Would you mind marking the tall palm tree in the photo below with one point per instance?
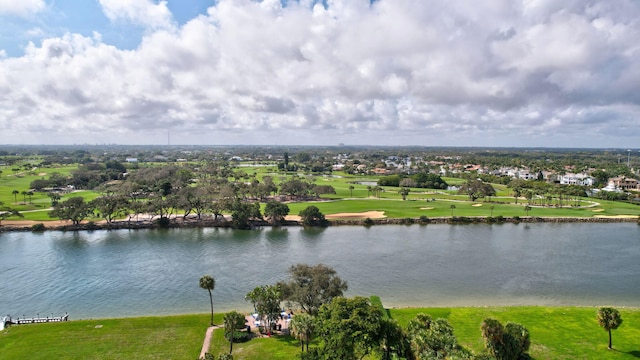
(208, 283)
(15, 194)
(609, 318)
(351, 187)
(491, 207)
(232, 320)
(24, 196)
(452, 207)
(303, 325)
(527, 209)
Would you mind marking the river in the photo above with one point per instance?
(155, 272)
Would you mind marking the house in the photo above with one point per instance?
(576, 179)
(381, 171)
(622, 183)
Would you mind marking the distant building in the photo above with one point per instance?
(131, 160)
(622, 183)
(576, 179)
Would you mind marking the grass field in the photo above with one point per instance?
(173, 337)
(351, 196)
(556, 333)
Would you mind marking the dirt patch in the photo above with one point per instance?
(476, 205)
(42, 174)
(597, 210)
(427, 208)
(362, 215)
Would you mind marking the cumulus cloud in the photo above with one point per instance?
(391, 72)
(146, 13)
(21, 7)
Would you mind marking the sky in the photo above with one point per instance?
(503, 73)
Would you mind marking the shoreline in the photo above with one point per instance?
(61, 225)
(496, 306)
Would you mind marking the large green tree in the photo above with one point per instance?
(74, 209)
(276, 211)
(311, 286)
(311, 216)
(349, 328)
(266, 301)
(609, 318)
(110, 206)
(208, 283)
(476, 189)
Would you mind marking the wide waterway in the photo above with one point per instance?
(153, 272)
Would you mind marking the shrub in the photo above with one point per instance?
(368, 222)
(163, 222)
(39, 227)
(424, 220)
(490, 219)
(516, 218)
(499, 218)
(406, 221)
(238, 336)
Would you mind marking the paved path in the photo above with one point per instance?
(207, 340)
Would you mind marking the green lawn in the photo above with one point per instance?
(350, 197)
(173, 337)
(556, 333)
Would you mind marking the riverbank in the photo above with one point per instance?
(342, 219)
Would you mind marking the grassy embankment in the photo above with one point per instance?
(556, 333)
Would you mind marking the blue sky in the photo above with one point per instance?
(362, 72)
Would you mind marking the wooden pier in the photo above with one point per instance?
(8, 320)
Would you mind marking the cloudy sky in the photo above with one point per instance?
(359, 72)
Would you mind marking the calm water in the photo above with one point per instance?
(130, 273)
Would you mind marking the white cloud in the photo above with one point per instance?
(426, 73)
(21, 7)
(146, 13)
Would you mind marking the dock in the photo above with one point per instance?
(8, 320)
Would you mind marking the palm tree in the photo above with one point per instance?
(351, 187)
(303, 326)
(30, 194)
(491, 208)
(368, 191)
(232, 320)
(452, 207)
(209, 283)
(15, 194)
(527, 209)
(609, 318)
(24, 196)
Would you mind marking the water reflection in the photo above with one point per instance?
(102, 273)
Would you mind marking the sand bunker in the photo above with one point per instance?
(362, 215)
(476, 205)
(597, 210)
(42, 174)
(427, 208)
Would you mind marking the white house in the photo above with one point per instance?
(576, 179)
